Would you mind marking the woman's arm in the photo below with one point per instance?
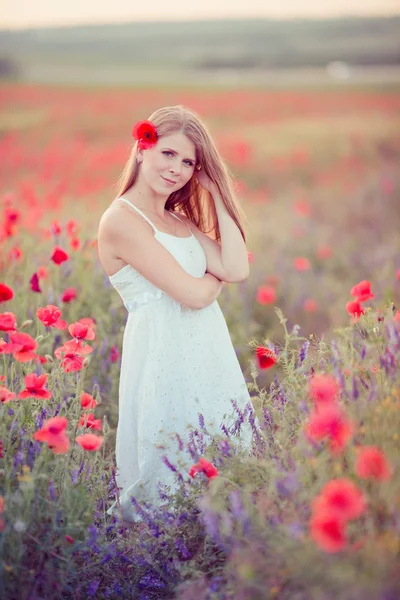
(234, 255)
(133, 241)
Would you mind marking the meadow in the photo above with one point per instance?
(314, 511)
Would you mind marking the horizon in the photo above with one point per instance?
(46, 14)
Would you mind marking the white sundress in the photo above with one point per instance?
(176, 363)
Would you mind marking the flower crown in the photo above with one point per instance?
(146, 134)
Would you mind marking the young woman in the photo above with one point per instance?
(168, 242)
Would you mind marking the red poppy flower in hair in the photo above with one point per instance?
(146, 134)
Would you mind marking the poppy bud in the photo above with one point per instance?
(26, 323)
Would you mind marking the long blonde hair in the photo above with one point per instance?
(191, 200)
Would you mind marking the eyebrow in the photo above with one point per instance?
(175, 152)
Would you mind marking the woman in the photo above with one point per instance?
(178, 363)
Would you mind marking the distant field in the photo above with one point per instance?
(121, 75)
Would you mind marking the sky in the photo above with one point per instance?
(22, 14)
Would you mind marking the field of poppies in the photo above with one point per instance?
(314, 511)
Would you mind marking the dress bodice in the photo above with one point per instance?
(135, 290)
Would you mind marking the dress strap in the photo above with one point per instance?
(140, 212)
(175, 215)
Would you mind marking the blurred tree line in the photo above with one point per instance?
(238, 44)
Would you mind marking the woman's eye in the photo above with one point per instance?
(188, 162)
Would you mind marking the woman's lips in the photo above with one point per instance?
(169, 181)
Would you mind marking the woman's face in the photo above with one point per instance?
(172, 159)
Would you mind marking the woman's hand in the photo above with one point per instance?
(215, 286)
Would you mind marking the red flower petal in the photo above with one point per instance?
(59, 255)
(6, 293)
(265, 357)
(327, 530)
(146, 134)
(371, 463)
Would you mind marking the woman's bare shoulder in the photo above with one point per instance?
(115, 217)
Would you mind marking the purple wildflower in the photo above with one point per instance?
(180, 442)
(52, 490)
(170, 466)
(224, 447)
(201, 421)
(303, 353)
(183, 551)
(93, 587)
(355, 392)
(225, 430)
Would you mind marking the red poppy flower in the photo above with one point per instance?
(324, 252)
(81, 332)
(266, 294)
(35, 387)
(72, 355)
(43, 273)
(53, 434)
(21, 346)
(301, 264)
(327, 530)
(342, 497)
(34, 283)
(55, 228)
(59, 255)
(323, 388)
(15, 253)
(330, 422)
(50, 316)
(114, 354)
(354, 309)
(89, 322)
(310, 305)
(146, 134)
(68, 295)
(302, 207)
(371, 463)
(90, 422)
(87, 401)
(71, 227)
(6, 293)
(205, 467)
(89, 441)
(8, 321)
(362, 291)
(6, 395)
(265, 357)
(75, 243)
(12, 215)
